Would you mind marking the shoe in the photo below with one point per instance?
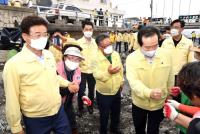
(75, 131)
(90, 110)
(115, 132)
(80, 113)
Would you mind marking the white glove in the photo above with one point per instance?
(170, 112)
(174, 103)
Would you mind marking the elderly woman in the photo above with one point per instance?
(69, 69)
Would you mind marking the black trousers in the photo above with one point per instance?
(118, 44)
(86, 79)
(125, 46)
(141, 116)
(70, 111)
(199, 40)
(109, 107)
(95, 21)
(101, 21)
(193, 39)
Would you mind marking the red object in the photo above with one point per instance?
(175, 91)
(168, 111)
(188, 109)
(87, 101)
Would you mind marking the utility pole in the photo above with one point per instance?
(189, 12)
(179, 7)
(164, 9)
(172, 8)
(151, 6)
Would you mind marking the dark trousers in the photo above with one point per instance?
(86, 79)
(109, 107)
(106, 21)
(199, 40)
(193, 39)
(131, 50)
(95, 21)
(70, 111)
(125, 46)
(118, 44)
(44, 125)
(141, 116)
(101, 21)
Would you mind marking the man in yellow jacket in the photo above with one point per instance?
(119, 39)
(126, 40)
(180, 49)
(17, 3)
(131, 41)
(87, 43)
(178, 46)
(95, 15)
(108, 72)
(31, 84)
(112, 37)
(149, 73)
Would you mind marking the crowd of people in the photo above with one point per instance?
(101, 16)
(43, 78)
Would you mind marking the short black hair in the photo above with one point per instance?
(30, 21)
(58, 30)
(54, 31)
(167, 28)
(189, 79)
(70, 45)
(140, 27)
(86, 22)
(100, 38)
(178, 21)
(162, 30)
(147, 32)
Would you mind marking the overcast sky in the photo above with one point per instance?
(166, 8)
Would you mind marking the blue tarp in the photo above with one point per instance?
(4, 2)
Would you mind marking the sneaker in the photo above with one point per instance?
(90, 110)
(80, 113)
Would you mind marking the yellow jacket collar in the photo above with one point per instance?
(85, 41)
(182, 41)
(30, 56)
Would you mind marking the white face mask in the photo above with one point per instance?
(174, 32)
(166, 36)
(71, 65)
(39, 44)
(195, 60)
(88, 34)
(108, 50)
(149, 54)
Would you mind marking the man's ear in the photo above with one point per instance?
(24, 36)
(182, 30)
